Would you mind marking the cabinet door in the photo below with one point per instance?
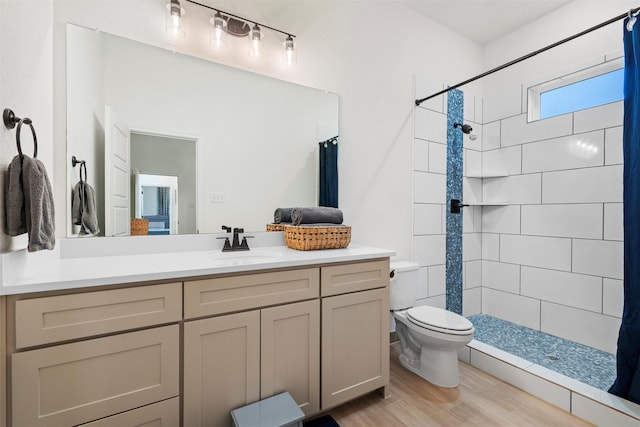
(75, 383)
(355, 345)
(161, 414)
(290, 350)
(221, 367)
(3, 361)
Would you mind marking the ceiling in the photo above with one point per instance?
(484, 20)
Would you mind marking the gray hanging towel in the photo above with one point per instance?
(15, 222)
(83, 208)
(38, 205)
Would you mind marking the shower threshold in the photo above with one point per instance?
(564, 373)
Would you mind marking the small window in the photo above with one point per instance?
(584, 89)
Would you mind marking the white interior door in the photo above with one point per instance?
(117, 141)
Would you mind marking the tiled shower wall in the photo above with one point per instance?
(550, 258)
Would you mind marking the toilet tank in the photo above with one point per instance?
(403, 285)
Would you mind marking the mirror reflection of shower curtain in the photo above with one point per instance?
(627, 383)
(328, 179)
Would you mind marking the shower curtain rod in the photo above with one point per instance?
(529, 55)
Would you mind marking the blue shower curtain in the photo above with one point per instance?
(627, 383)
(328, 181)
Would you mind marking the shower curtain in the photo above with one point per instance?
(627, 383)
(328, 181)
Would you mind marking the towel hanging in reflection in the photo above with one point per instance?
(83, 205)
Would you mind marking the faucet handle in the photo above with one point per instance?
(227, 229)
(227, 244)
(244, 246)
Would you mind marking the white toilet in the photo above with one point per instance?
(430, 337)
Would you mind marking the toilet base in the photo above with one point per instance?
(440, 368)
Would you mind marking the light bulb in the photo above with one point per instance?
(174, 22)
(254, 40)
(218, 30)
(289, 51)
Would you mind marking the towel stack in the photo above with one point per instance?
(321, 215)
(29, 204)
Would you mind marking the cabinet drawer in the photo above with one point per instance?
(161, 414)
(227, 294)
(65, 317)
(360, 276)
(108, 375)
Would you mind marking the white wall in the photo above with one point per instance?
(26, 78)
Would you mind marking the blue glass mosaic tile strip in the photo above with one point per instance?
(588, 365)
(455, 101)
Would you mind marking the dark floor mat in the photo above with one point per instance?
(324, 421)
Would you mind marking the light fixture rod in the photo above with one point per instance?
(241, 18)
(529, 55)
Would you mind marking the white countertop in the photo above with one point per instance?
(47, 271)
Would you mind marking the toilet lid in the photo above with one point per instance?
(440, 320)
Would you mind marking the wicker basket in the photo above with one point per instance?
(311, 237)
(139, 226)
(275, 227)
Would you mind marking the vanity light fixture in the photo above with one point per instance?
(225, 23)
(466, 129)
(174, 24)
(218, 31)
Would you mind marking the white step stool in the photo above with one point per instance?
(276, 411)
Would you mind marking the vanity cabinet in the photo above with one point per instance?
(74, 377)
(235, 359)
(3, 361)
(355, 331)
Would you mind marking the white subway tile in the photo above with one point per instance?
(518, 189)
(513, 308)
(598, 257)
(430, 126)
(569, 152)
(613, 297)
(545, 390)
(516, 130)
(469, 112)
(472, 162)
(491, 135)
(603, 116)
(427, 219)
(472, 274)
(471, 246)
(599, 414)
(507, 160)
(439, 301)
(574, 220)
(545, 252)
(491, 246)
(613, 218)
(472, 219)
(501, 276)
(505, 103)
(575, 290)
(420, 155)
(585, 327)
(437, 158)
(437, 280)
(429, 187)
(613, 146)
(501, 219)
(471, 190)
(423, 283)
(471, 301)
(592, 185)
(429, 250)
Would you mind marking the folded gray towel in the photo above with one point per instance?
(320, 214)
(15, 222)
(39, 207)
(83, 208)
(282, 215)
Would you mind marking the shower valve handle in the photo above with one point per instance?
(456, 205)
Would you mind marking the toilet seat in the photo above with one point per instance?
(439, 320)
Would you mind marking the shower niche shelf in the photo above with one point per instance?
(496, 174)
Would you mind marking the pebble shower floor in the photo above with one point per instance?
(580, 362)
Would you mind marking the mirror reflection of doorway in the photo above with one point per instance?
(165, 156)
(156, 199)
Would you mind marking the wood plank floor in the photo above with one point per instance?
(480, 400)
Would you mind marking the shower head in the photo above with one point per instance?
(467, 130)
